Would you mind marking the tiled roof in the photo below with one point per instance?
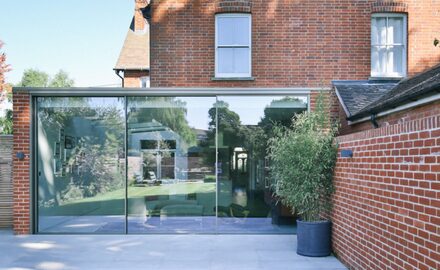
(408, 90)
(356, 95)
(135, 53)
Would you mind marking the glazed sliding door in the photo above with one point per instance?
(158, 164)
(245, 200)
(80, 165)
(171, 164)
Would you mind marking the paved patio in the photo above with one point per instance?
(53, 252)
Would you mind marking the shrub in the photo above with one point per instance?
(303, 157)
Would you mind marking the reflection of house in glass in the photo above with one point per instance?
(194, 164)
(153, 153)
(158, 155)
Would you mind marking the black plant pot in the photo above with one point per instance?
(314, 238)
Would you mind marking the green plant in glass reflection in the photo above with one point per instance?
(252, 141)
(303, 157)
(93, 165)
(99, 165)
(252, 138)
(172, 114)
(256, 137)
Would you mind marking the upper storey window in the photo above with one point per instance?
(388, 45)
(145, 82)
(233, 45)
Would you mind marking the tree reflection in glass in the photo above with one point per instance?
(171, 184)
(244, 126)
(80, 164)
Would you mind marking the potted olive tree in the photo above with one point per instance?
(303, 157)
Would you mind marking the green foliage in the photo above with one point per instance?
(210, 179)
(253, 138)
(99, 160)
(273, 115)
(303, 157)
(34, 78)
(229, 124)
(61, 79)
(172, 115)
(6, 123)
(37, 78)
(230, 131)
(96, 157)
(7, 120)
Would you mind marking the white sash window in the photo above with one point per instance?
(388, 45)
(233, 45)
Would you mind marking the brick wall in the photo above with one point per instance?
(295, 43)
(132, 78)
(392, 119)
(21, 168)
(387, 201)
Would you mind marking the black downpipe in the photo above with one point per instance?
(373, 121)
(122, 78)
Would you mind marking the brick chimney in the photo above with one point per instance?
(139, 20)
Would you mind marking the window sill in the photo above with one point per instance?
(232, 79)
(391, 79)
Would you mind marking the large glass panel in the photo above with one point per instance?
(171, 164)
(81, 165)
(245, 200)
(176, 181)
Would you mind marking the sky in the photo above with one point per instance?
(82, 37)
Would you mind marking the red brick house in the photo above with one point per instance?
(185, 155)
(134, 59)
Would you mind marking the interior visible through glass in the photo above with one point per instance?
(245, 199)
(194, 164)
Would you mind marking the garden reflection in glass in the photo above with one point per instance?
(171, 165)
(245, 200)
(81, 165)
(175, 181)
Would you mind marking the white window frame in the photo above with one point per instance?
(145, 79)
(405, 45)
(233, 75)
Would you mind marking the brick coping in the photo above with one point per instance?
(417, 125)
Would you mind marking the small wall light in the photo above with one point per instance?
(20, 155)
(347, 153)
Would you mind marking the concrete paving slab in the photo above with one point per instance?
(207, 252)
